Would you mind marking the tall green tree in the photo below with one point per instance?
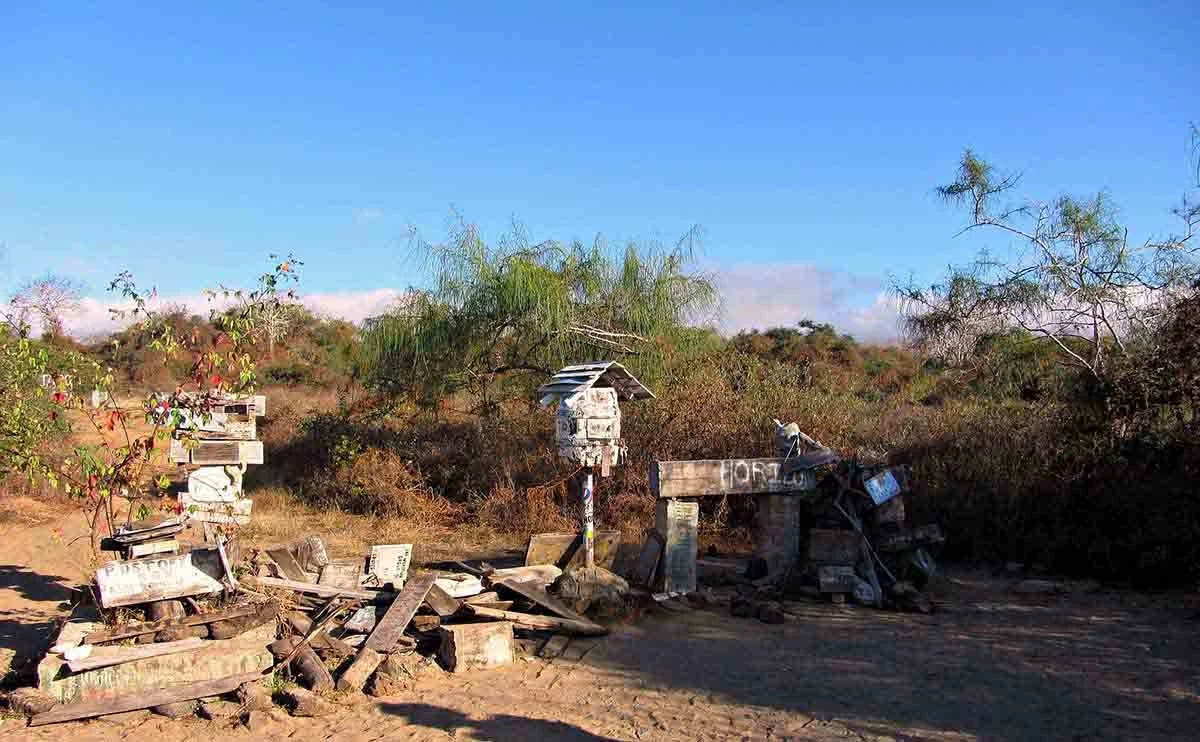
(1075, 280)
(524, 309)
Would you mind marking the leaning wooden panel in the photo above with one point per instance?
(710, 477)
(566, 549)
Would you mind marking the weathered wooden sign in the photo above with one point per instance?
(197, 572)
(679, 522)
(727, 477)
(216, 453)
(389, 563)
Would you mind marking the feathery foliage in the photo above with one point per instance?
(522, 309)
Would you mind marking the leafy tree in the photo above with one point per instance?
(95, 476)
(1079, 284)
(518, 308)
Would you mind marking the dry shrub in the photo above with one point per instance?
(382, 483)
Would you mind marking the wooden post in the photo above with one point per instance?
(589, 524)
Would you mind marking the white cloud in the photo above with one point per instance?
(781, 294)
(367, 215)
(95, 317)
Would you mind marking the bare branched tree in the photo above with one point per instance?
(47, 300)
(1077, 282)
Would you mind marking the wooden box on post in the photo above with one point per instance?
(476, 645)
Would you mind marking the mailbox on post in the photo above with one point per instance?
(588, 423)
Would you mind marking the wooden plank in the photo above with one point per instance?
(287, 564)
(216, 453)
(342, 573)
(106, 656)
(441, 603)
(153, 627)
(648, 558)
(566, 549)
(134, 581)
(392, 624)
(541, 623)
(554, 646)
(538, 595)
(711, 477)
(150, 548)
(159, 697)
(476, 646)
(323, 590)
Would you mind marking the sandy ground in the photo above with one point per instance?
(989, 665)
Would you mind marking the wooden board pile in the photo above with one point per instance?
(862, 546)
(181, 630)
(341, 635)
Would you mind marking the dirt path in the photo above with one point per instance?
(991, 665)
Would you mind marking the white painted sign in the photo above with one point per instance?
(197, 572)
(389, 563)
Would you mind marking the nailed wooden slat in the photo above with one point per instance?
(403, 608)
(138, 701)
(106, 656)
(726, 477)
(323, 590)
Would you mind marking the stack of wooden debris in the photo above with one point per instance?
(175, 632)
(218, 444)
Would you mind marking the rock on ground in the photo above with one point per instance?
(594, 591)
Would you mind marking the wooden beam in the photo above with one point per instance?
(106, 656)
(441, 603)
(538, 595)
(162, 696)
(324, 591)
(393, 622)
(541, 623)
(712, 477)
(287, 564)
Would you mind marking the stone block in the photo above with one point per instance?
(476, 645)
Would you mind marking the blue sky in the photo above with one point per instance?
(187, 144)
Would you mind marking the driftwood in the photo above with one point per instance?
(134, 702)
(118, 633)
(542, 623)
(303, 661)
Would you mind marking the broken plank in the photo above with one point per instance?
(152, 627)
(392, 624)
(538, 595)
(441, 603)
(134, 702)
(105, 656)
(542, 623)
(322, 590)
(647, 562)
(288, 566)
(554, 646)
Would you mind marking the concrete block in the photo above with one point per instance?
(476, 645)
